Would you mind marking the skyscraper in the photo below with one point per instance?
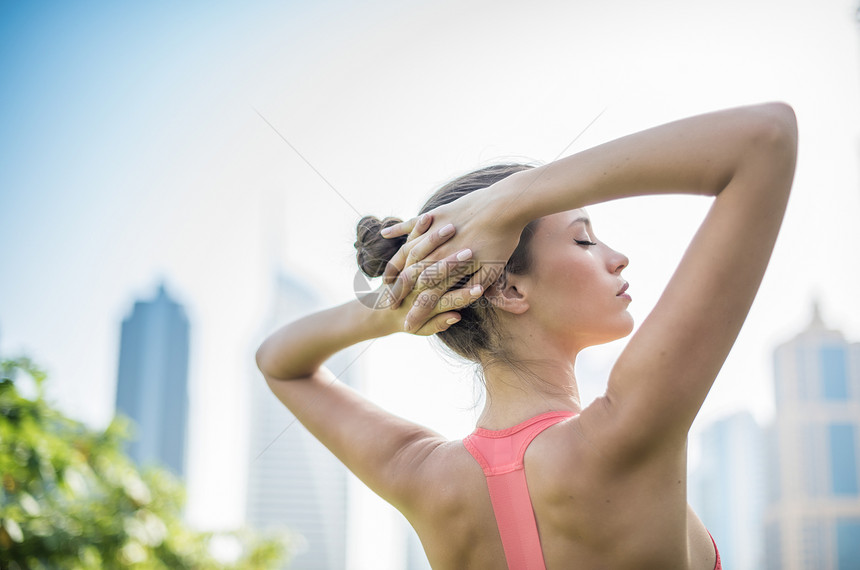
(727, 489)
(813, 519)
(294, 482)
(152, 383)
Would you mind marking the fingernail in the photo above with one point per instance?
(447, 230)
(464, 255)
(452, 320)
(476, 290)
(423, 219)
(406, 325)
(385, 231)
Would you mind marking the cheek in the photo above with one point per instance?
(584, 285)
(573, 292)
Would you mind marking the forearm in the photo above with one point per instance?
(298, 349)
(698, 155)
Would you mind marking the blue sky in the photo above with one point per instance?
(131, 151)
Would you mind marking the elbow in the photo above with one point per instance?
(777, 130)
(263, 365)
(260, 359)
(770, 150)
(271, 365)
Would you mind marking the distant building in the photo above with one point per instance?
(294, 482)
(813, 519)
(152, 382)
(729, 486)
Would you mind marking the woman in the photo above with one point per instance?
(543, 483)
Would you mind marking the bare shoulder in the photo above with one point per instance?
(586, 494)
(444, 478)
(450, 509)
(570, 457)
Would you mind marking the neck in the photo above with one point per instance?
(517, 393)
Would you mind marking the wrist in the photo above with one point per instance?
(509, 205)
(548, 189)
(376, 321)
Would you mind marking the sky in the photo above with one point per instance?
(204, 145)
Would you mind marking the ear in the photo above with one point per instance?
(508, 295)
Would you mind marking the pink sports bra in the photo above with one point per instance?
(500, 454)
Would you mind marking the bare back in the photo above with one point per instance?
(583, 503)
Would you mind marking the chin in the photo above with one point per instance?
(621, 329)
(629, 324)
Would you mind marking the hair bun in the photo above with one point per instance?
(373, 252)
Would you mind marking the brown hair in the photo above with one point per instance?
(476, 336)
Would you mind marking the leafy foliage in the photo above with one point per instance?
(70, 497)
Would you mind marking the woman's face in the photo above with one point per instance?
(576, 288)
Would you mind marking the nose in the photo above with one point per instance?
(616, 261)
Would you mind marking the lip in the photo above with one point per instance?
(622, 293)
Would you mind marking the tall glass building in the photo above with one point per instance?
(727, 489)
(294, 482)
(813, 516)
(152, 383)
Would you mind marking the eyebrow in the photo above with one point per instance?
(582, 219)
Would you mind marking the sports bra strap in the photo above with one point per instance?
(500, 454)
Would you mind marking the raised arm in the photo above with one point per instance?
(744, 157)
(663, 376)
(379, 447)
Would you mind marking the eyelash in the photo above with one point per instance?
(584, 242)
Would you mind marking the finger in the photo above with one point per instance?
(427, 301)
(438, 276)
(415, 227)
(451, 301)
(487, 274)
(444, 274)
(439, 323)
(422, 224)
(459, 299)
(407, 255)
(427, 245)
(404, 228)
(396, 264)
(399, 229)
(404, 284)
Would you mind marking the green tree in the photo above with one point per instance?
(70, 497)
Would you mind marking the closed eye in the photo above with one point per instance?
(584, 242)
